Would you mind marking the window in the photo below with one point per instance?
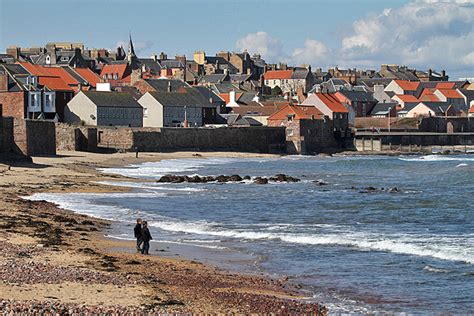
(105, 76)
(64, 58)
(145, 112)
(110, 76)
(115, 76)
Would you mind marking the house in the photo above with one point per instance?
(22, 96)
(381, 95)
(405, 100)
(117, 74)
(289, 80)
(308, 130)
(430, 109)
(104, 108)
(450, 96)
(162, 84)
(388, 109)
(331, 107)
(186, 106)
(259, 111)
(471, 111)
(214, 64)
(403, 87)
(361, 102)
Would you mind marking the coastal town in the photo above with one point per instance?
(101, 94)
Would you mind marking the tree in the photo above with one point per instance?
(276, 90)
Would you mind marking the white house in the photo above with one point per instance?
(171, 109)
(104, 108)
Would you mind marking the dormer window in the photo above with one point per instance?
(64, 58)
(115, 76)
(48, 59)
(110, 76)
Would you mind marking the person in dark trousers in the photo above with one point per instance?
(146, 237)
(138, 234)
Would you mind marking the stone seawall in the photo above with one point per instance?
(71, 137)
(247, 139)
(6, 134)
(32, 137)
(410, 141)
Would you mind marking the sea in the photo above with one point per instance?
(359, 234)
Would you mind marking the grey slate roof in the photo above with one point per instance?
(299, 74)
(16, 69)
(162, 84)
(171, 63)
(382, 108)
(151, 64)
(214, 78)
(209, 94)
(358, 96)
(74, 74)
(112, 99)
(240, 77)
(190, 98)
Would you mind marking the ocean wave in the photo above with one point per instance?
(361, 241)
(130, 238)
(160, 168)
(435, 270)
(434, 158)
(149, 186)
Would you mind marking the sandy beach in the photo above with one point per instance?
(55, 261)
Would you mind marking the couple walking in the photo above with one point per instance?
(143, 236)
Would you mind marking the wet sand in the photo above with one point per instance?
(55, 261)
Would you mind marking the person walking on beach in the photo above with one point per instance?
(146, 237)
(138, 234)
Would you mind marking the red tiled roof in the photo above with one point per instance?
(408, 85)
(445, 85)
(55, 78)
(451, 93)
(471, 110)
(407, 98)
(88, 75)
(118, 69)
(54, 83)
(332, 102)
(428, 95)
(226, 97)
(278, 74)
(300, 112)
(61, 73)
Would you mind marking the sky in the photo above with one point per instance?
(437, 34)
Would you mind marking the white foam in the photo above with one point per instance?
(149, 186)
(431, 158)
(435, 270)
(160, 168)
(362, 241)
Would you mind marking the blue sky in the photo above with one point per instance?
(347, 33)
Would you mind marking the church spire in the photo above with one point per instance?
(131, 50)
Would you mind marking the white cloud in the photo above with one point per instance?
(313, 52)
(436, 34)
(261, 43)
(431, 33)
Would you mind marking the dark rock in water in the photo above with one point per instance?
(247, 178)
(195, 179)
(235, 178)
(394, 190)
(166, 178)
(370, 189)
(260, 180)
(284, 178)
(320, 182)
(209, 179)
(222, 178)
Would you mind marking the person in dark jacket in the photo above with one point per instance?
(138, 234)
(146, 237)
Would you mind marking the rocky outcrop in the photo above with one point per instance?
(223, 179)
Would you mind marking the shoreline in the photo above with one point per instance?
(74, 267)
